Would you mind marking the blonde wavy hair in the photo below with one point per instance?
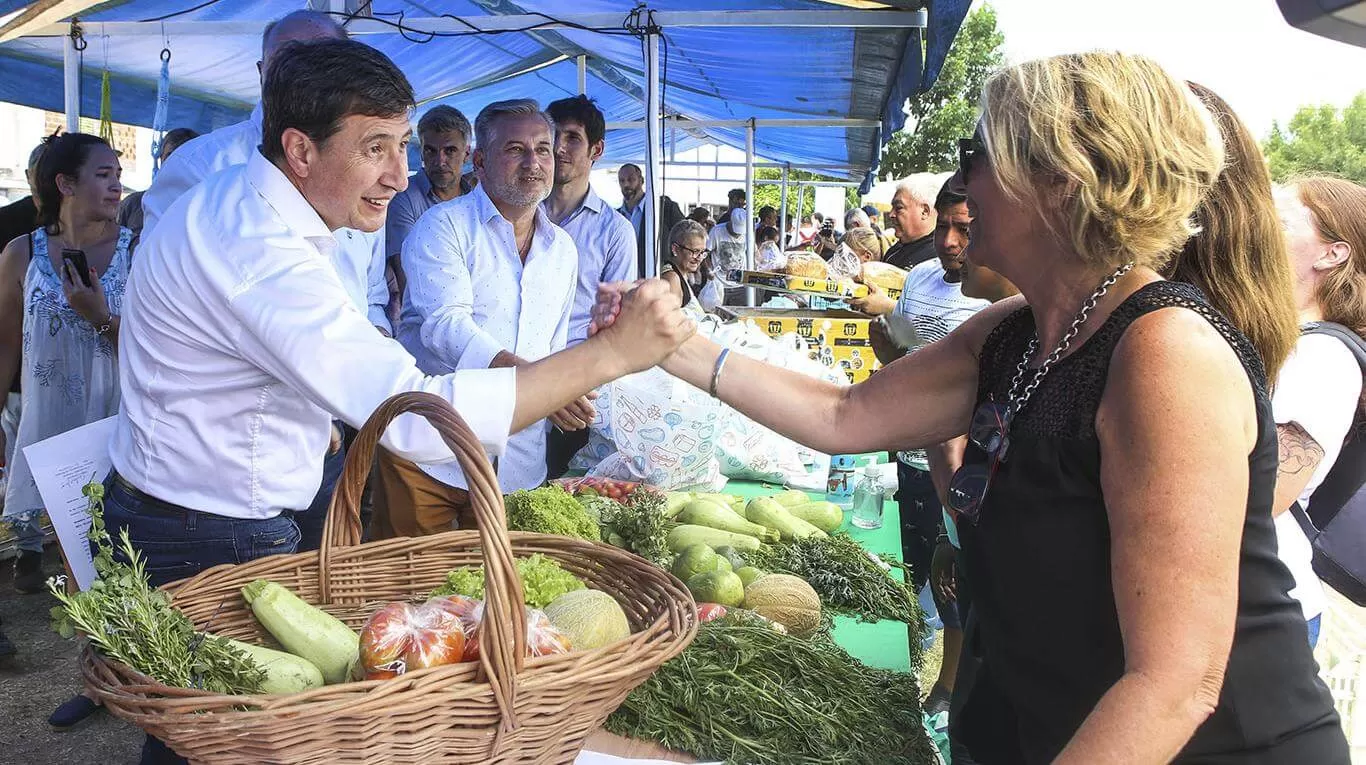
(1117, 152)
(864, 240)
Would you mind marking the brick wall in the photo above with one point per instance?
(125, 137)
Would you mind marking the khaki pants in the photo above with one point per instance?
(410, 503)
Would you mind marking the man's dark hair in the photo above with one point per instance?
(445, 119)
(65, 154)
(872, 211)
(767, 210)
(735, 194)
(633, 167)
(177, 137)
(766, 234)
(313, 86)
(949, 194)
(583, 110)
(818, 217)
(700, 214)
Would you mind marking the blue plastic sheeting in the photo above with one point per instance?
(710, 73)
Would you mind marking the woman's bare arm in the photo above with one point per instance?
(922, 399)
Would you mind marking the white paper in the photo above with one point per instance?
(62, 466)
(597, 758)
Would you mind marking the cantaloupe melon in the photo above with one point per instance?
(787, 600)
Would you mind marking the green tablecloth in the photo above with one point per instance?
(880, 644)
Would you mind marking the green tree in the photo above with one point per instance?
(1320, 139)
(948, 111)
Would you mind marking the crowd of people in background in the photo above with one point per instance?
(1034, 455)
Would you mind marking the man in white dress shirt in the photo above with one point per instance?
(358, 257)
(490, 283)
(606, 242)
(241, 343)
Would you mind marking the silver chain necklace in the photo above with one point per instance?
(1018, 397)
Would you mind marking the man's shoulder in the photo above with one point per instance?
(219, 150)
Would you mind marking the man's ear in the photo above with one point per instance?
(477, 160)
(595, 151)
(301, 154)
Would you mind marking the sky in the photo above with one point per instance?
(1242, 49)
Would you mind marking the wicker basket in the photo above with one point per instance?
(503, 709)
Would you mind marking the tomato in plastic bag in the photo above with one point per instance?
(400, 638)
(542, 638)
(471, 613)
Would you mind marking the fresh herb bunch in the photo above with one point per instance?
(543, 580)
(639, 525)
(129, 621)
(747, 695)
(550, 510)
(848, 580)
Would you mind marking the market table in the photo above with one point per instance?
(883, 644)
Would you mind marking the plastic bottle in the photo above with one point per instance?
(868, 500)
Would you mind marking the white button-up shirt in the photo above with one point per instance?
(360, 257)
(240, 344)
(607, 253)
(469, 296)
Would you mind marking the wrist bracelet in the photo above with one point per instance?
(104, 327)
(716, 373)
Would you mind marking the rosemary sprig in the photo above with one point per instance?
(129, 621)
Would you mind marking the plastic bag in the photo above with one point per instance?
(844, 264)
(663, 432)
(769, 257)
(400, 638)
(542, 638)
(808, 265)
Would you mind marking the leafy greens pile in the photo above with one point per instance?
(748, 695)
(550, 510)
(542, 581)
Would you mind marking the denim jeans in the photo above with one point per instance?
(28, 532)
(311, 521)
(176, 542)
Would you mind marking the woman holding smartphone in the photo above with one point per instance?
(60, 290)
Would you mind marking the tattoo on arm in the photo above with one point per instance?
(1299, 452)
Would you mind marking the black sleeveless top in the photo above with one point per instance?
(1038, 564)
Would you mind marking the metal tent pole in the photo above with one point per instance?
(652, 149)
(782, 212)
(583, 74)
(71, 73)
(749, 205)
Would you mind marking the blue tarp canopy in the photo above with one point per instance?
(708, 73)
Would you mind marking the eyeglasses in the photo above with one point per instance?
(704, 252)
(970, 151)
(990, 432)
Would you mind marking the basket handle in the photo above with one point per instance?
(502, 636)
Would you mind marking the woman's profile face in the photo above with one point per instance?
(998, 222)
(689, 251)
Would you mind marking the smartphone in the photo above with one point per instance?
(75, 259)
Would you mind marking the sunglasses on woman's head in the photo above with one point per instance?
(970, 151)
(990, 432)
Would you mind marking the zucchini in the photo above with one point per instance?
(285, 672)
(686, 535)
(767, 512)
(791, 498)
(826, 516)
(703, 513)
(303, 630)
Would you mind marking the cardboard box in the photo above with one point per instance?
(840, 337)
(832, 289)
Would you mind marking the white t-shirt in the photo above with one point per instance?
(931, 308)
(727, 248)
(1318, 389)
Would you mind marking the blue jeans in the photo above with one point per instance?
(176, 542)
(311, 520)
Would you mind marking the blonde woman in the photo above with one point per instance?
(1122, 452)
(865, 243)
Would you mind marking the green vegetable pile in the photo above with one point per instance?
(748, 695)
(639, 525)
(542, 581)
(128, 621)
(848, 581)
(550, 510)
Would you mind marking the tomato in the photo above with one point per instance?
(400, 638)
(710, 611)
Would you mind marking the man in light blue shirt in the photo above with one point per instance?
(606, 242)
